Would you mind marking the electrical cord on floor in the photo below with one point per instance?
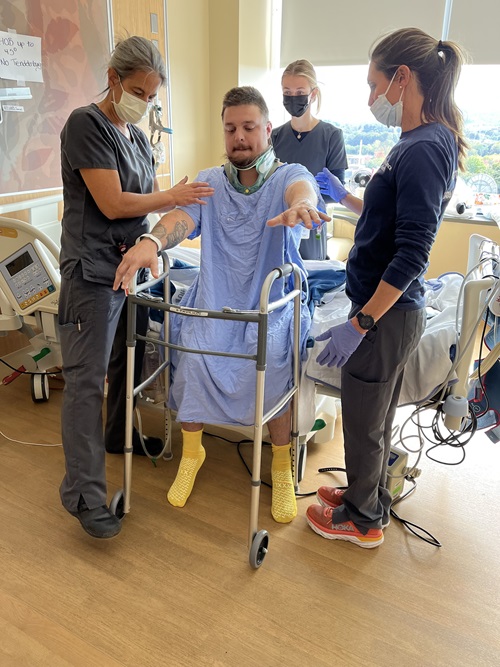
(32, 444)
(333, 470)
(305, 495)
(238, 446)
(412, 527)
(25, 372)
(409, 525)
(265, 444)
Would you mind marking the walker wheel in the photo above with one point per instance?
(259, 549)
(39, 388)
(116, 506)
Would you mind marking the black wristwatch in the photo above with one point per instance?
(366, 322)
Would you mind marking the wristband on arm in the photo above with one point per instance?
(159, 244)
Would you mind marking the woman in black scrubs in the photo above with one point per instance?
(307, 140)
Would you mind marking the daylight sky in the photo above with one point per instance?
(345, 93)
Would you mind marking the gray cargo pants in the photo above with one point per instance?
(371, 384)
(92, 329)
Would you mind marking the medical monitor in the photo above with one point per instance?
(27, 277)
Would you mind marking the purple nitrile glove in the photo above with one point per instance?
(344, 339)
(330, 185)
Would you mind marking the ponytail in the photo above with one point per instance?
(440, 104)
(436, 66)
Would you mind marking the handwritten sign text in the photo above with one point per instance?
(20, 57)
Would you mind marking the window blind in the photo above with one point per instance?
(475, 24)
(335, 32)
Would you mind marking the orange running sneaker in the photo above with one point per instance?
(330, 496)
(320, 520)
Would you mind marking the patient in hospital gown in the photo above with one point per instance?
(238, 250)
(252, 224)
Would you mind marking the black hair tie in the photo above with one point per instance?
(440, 46)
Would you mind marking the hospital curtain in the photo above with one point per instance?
(336, 32)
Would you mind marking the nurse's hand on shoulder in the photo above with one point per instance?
(302, 213)
(142, 255)
(343, 340)
(185, 193)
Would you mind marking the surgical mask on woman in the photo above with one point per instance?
(130, 108)
(296, 105)
(386, 113)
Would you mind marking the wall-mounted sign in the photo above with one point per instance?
(20, 57)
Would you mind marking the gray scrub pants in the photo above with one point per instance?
(92, 329)
(371, 384)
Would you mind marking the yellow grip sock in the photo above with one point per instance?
(283, 503)
(193, 455)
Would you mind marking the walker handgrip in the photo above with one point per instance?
(285, 270)
(150, 283)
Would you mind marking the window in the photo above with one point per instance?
(478, 96)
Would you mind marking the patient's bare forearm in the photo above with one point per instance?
(301, 192)
(172, 236)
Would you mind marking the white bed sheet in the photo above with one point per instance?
(429, 364)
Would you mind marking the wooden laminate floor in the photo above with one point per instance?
(175, 588)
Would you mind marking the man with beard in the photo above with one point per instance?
(253, 224)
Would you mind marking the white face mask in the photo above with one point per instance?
(386, 113)
(130, 108)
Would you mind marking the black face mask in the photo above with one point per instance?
(296, 105)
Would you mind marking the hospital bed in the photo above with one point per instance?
(453, 311)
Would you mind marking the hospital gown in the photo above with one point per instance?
(238, 251)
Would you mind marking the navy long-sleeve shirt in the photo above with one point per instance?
(403, 207)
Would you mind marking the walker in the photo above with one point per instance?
(120, 505)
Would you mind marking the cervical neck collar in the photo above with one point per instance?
(265, 164)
